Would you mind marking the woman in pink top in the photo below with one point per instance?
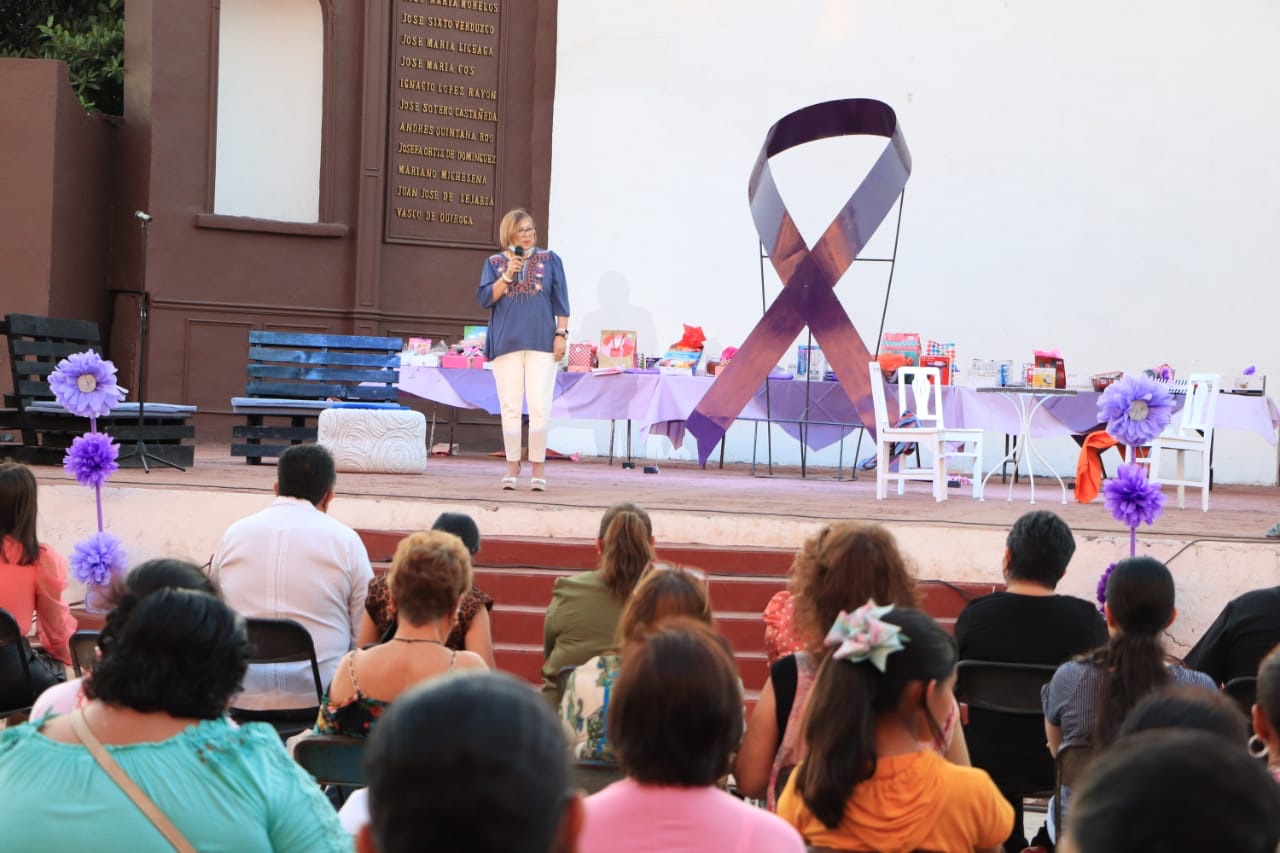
(674, 719)
(32, 579)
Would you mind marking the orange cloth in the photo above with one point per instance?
(918, 801)
(37, 589)
(1089, 465)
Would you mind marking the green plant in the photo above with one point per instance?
(88, 35)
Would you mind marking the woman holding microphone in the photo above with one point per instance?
(525, 291)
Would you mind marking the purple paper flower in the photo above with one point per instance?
(1136, 409)
(85, 385)
(1131, 498)
(91, 458)
(1102, 585)
(1249, 371)
(97, 559)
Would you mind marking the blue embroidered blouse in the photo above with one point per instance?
(525, 317)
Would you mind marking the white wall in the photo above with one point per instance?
(270, 103)
(1094, 176)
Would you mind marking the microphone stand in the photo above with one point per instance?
(144, 333)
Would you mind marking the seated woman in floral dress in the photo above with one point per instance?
(471, 631)
(662, 594)
(429, 573)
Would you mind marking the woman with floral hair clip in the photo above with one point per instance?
(870, 782)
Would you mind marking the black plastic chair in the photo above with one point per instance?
(16, 695)
(1072, 762)
(332, 759)
(1243, 691)
(282, 641)
(591, 775)
(84, 651)
(1010, 688)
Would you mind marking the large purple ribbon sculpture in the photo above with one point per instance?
(809, 275)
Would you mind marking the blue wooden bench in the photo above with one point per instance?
(293, 377)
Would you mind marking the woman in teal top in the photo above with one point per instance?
(170, 663)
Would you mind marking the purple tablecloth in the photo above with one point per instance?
(659, 404)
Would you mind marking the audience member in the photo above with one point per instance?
(1266, 713)
(1246, 629)
(869, 781)
(292, 561)
(141, 581)
(582, 619)
(1177, 792)
(170, 663)
(470, 763)
(1026, 623)
(674, 721)
(838, 568)
(1187, 708)
(32, 579)
(1088, 697)
(471, 632)
(429, 573)
(662, 594)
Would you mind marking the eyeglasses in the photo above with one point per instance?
(687, 570)
(528, 229)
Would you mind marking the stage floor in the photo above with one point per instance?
(1214, 555)
(1235, 512)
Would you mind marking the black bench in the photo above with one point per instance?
(35, 346)
(293, 377)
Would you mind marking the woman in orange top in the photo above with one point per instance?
(32, 579)
(870, 780)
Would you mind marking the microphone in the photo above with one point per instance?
(518, 251)
(144, 216)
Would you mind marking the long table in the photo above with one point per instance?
(659, 404)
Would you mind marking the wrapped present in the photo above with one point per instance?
(1052, 360)
(683, 356)
(582, 357)
(905, 344)
(454, 359)
(942, 362)
(617, 348)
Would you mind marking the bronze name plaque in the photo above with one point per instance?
(443, 122)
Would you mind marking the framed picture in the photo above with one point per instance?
(617, 348)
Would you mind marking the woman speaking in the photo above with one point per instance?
(524, 289)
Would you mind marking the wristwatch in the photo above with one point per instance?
(562, 333)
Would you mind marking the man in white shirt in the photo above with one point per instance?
(292, 561)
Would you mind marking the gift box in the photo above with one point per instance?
(476, 362)
(617, 348)
(941, 362)
(454, 359)
(1042, 377)
(810, 361)
(1052, 360)
(680, 362)
(905, 344)
(582, 357)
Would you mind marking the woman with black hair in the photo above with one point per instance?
(870, 781)
(155, 720)
(1090, 696)
(1177, 791)
(33, 577)
(472, 761)
(1266, 713)
(143, 580)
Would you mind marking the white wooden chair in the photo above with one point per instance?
(920, 391)
(970, 441)
(1191, 431)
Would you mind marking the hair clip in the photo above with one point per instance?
(863, 635)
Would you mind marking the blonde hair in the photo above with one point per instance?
(429, 573)
(510, 225)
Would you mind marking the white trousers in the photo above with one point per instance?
(517, 375)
